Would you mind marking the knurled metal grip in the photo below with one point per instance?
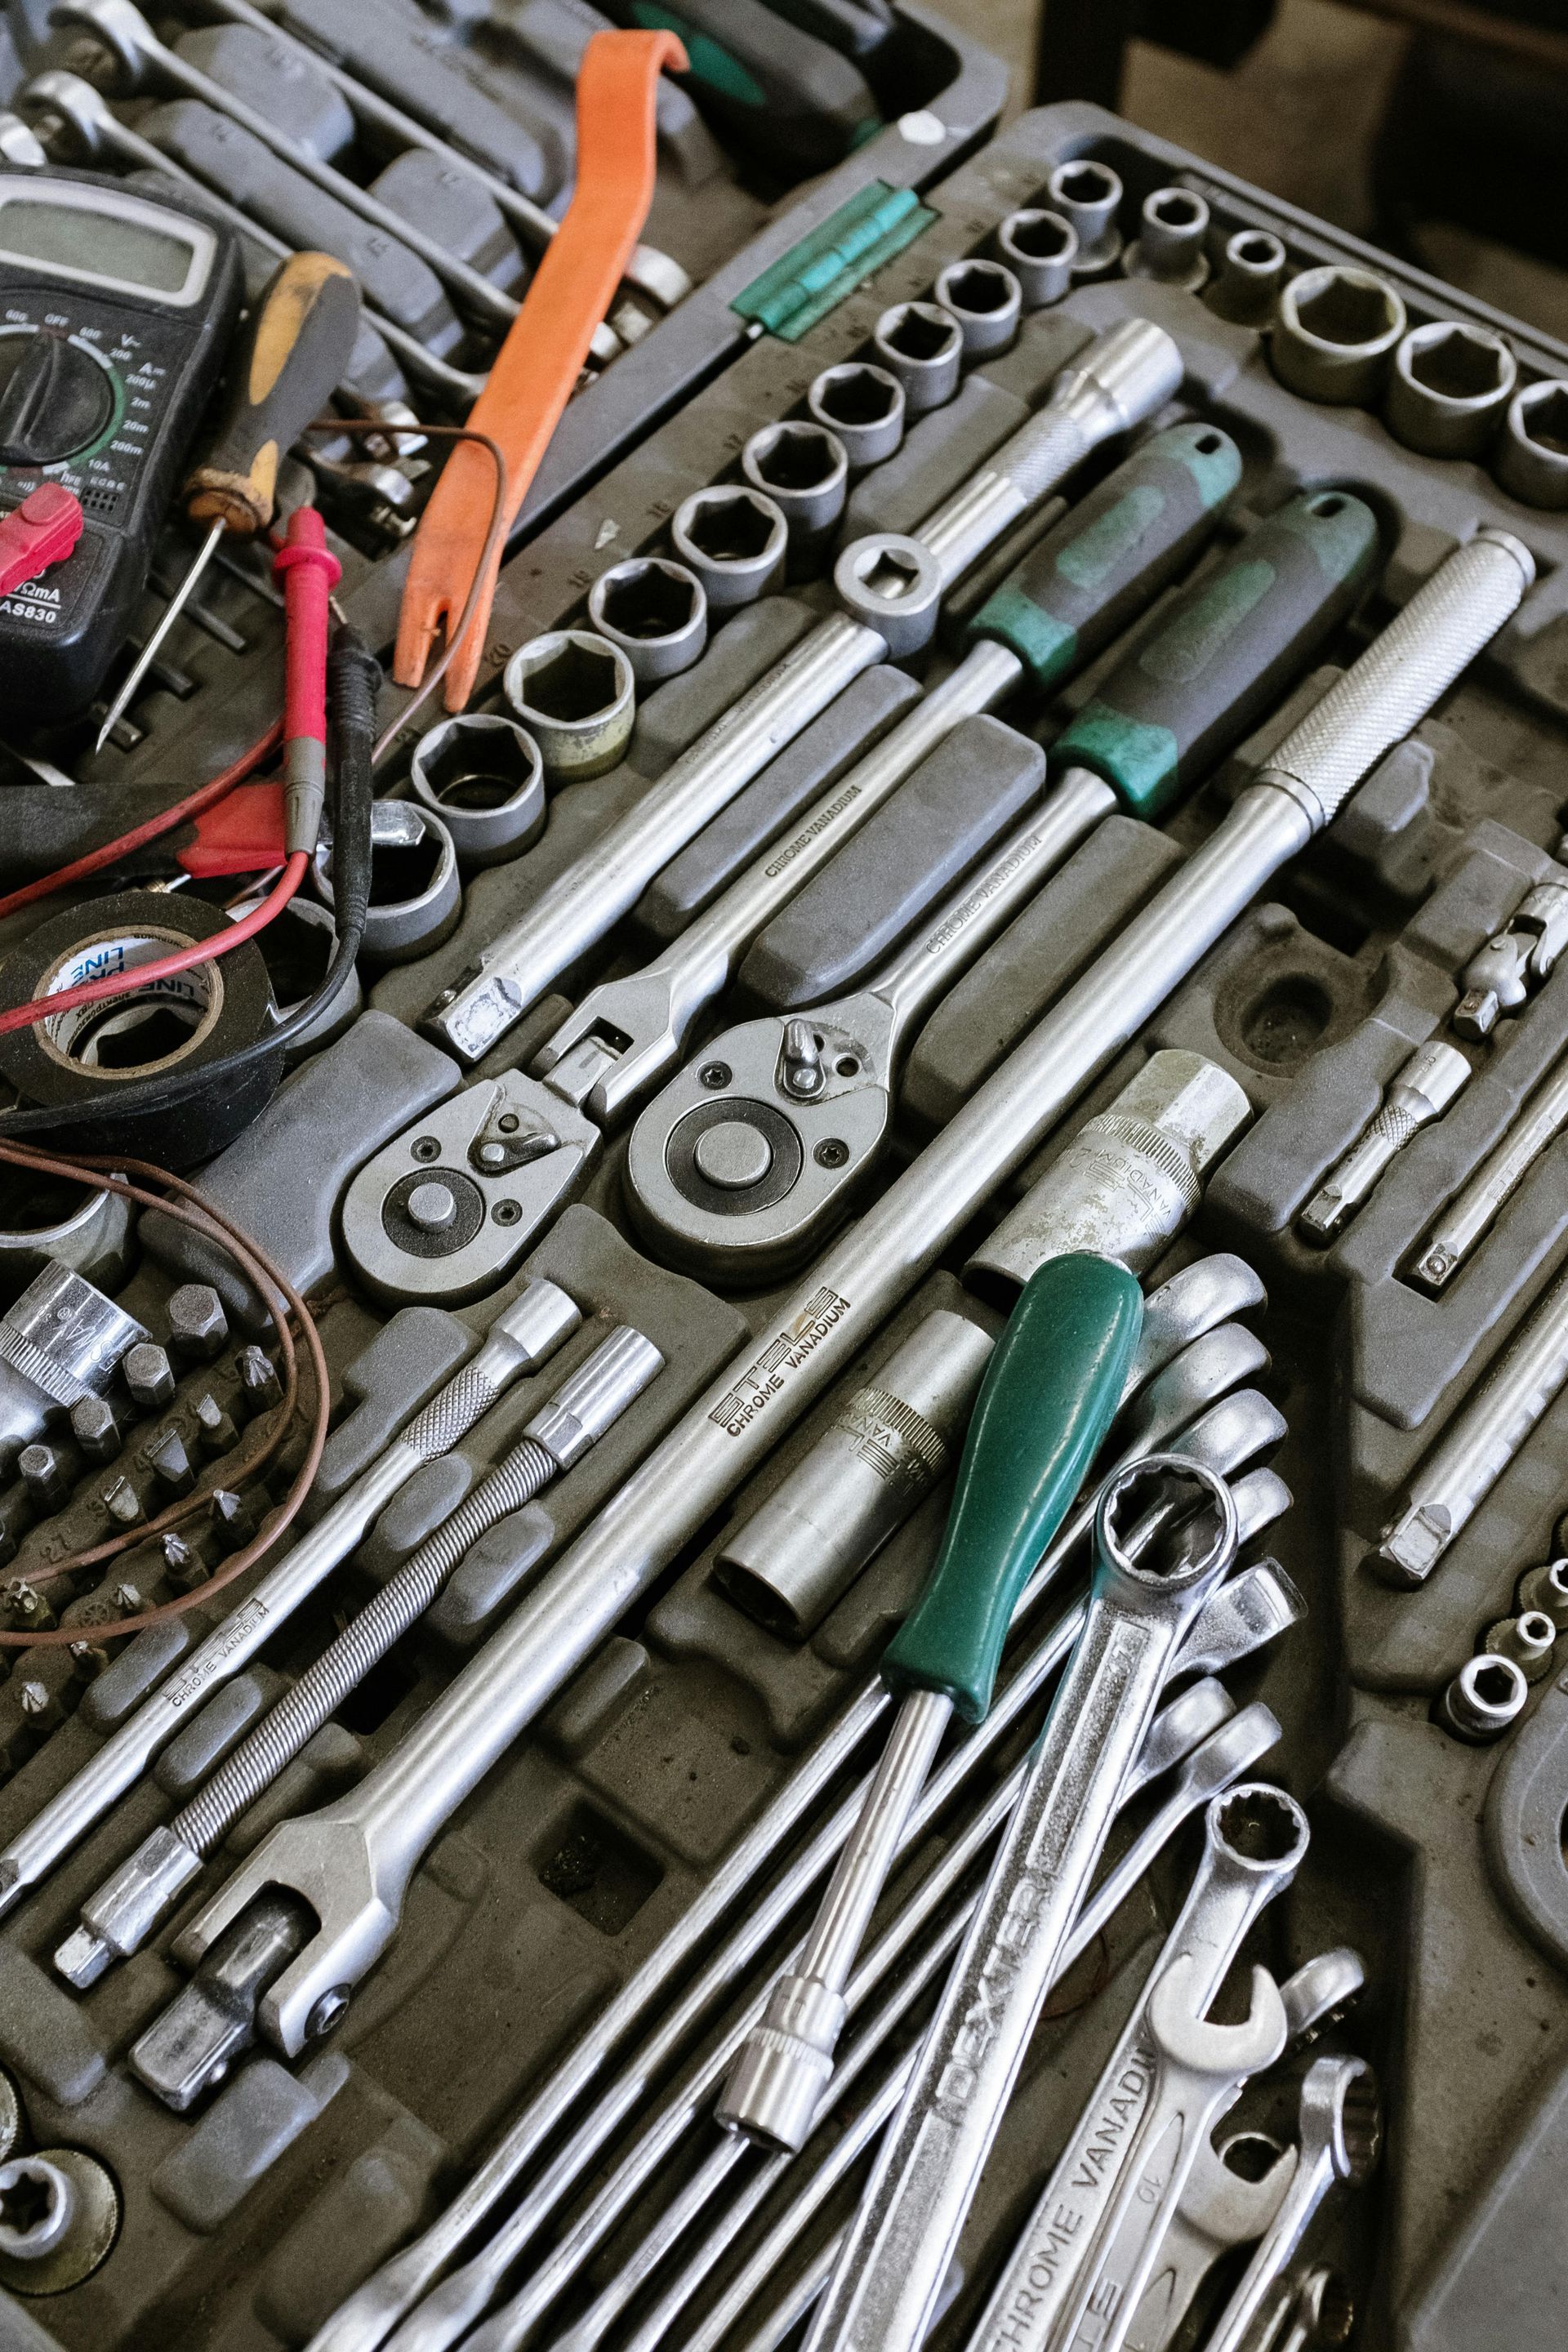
(1402, 674)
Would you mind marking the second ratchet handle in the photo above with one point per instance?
(1112, 551)
(1219, 658)
(1048, 1399)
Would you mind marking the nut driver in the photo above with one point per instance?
(806, 1108)
(1126, 375)
(1048, 1398)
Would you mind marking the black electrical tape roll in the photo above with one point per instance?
(195, 1017)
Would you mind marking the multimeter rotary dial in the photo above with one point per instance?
(56, 398)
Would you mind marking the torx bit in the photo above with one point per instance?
(95, 1429)
(149, 1375)
(1422, 1091)
(182, 1567)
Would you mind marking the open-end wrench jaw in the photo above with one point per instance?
(1194, 2043)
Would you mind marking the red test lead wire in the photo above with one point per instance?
(309, 572)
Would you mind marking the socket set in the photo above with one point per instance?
(1012, 804)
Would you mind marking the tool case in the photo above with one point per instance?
(243, 2225)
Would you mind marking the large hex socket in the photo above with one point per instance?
(864, 406)
(1126, 1184)
(804, 470)
(885, 1448)
(415, 897)
(1335, 334)
(734, 540)
(1531, 460)
(484, 778)
(987, 301)
(1448, 389)
(1039, 248)
(575, 694)
(923, 345)
(655, 610)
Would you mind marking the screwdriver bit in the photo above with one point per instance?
(261, 1382)
(149, 1375)
(198, 1324)
(95, 1429)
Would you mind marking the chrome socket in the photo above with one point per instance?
(1128, 1181)
(592, 1399)
(575, 694)
(1247, 284)
(986, 299)
(1545, 1590)
(923, 345)
(893, 585)
(1335, 334)
(1528, 1639)
(804, 470)
(415, 897)
(887, 1445)
(1531, 461)
(483, 777)
(655, 610)
(734, 540)
(1089, 196)
(864, 406)
(1169, 246)
(1039, 248)
(1486, 1696)
(1450, 387)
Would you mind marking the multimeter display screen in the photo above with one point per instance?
(105, 242)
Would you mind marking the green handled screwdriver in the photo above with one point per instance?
(1050, 1390)
(295, 352)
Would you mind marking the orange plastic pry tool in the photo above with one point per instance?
(538, 365)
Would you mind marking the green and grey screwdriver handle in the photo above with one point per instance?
(1049, 1396)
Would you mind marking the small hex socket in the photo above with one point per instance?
(1335, 334)
(148, 1375)
(575, 694)
(987, 301)
(862, 403)
(1039, 248)
(1449, 386)
(1531, 459)
(1088, 195)
(483, 777)
(1484, 1698)
(655, 610)
(923, 345)
(198, 1328)
(1169, 246)
(1246, 285)
(1527, 1639)
(803, 468)
(1545, 1588)
(734, 540)
(95, 1429)
(415, 896)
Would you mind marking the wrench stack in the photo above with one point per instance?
(920, 1664)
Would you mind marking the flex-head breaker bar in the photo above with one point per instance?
(350, 1863)
(1126, 375)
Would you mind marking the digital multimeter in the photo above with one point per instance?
(115, 314)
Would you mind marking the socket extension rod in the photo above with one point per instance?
(1185, 1314)
(522, 1335)
(1470, 1215)
(1126, 375)
(352, 1860)
(526, 1141)
(806, 1108)
(1046, 1399)
(120, 1916)
(1144, 1596)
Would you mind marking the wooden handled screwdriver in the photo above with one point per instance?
(294, 353)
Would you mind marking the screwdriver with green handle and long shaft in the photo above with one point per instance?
(295, 352)
(1050, 1391)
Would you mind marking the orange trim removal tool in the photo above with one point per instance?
(538, 365)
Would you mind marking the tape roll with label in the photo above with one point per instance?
(180, 1023)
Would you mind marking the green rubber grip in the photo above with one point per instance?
(1225, 652)
(1111, 556)
(1046, 1400)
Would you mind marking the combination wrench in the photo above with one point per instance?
(887, 2278)
(1254, 1843)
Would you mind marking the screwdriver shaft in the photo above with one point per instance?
(171, 614)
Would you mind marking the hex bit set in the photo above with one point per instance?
(808, 1596)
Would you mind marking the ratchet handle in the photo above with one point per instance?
(1111, 556)
(1223, 653)
(1048, 1399)
(296, 351)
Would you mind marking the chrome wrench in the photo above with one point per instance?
(896, 2256)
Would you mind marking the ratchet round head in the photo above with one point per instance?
(1341, 2115)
